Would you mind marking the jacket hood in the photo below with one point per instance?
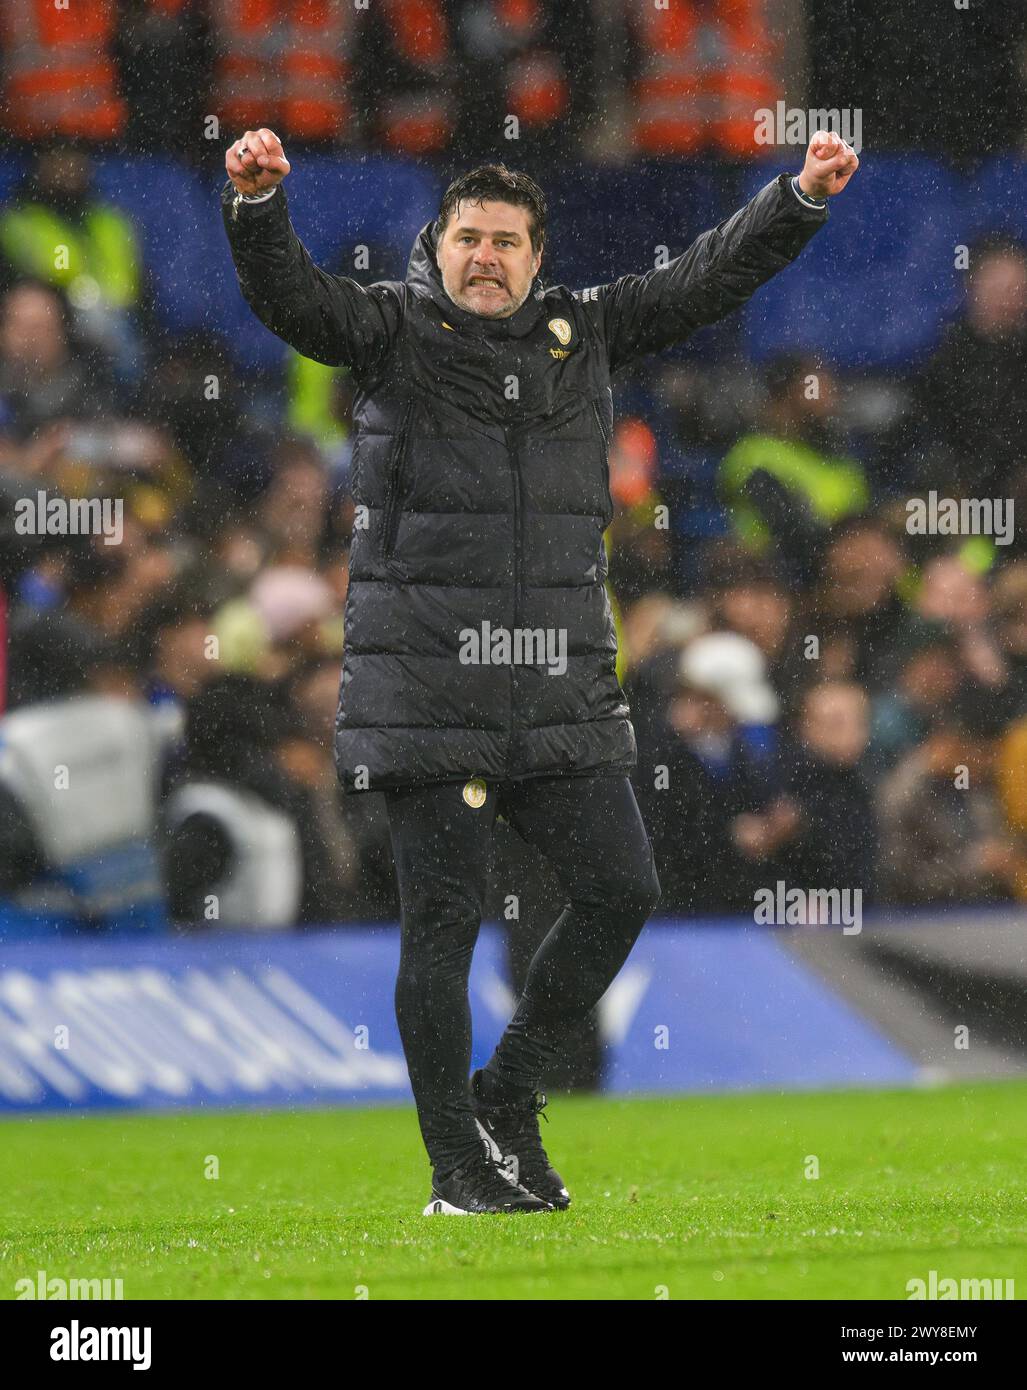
(424, 278)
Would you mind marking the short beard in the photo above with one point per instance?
(504, 312)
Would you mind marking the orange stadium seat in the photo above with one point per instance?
(419, 119)
(59, 75)
(284, 64)
(536, 85)
(704, 71)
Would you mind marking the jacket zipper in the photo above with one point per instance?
(601, 423)
(606, 461)
(390, 513)
(518, 547)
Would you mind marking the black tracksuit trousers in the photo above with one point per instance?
(591, 831)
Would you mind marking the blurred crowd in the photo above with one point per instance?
(608, 79)
(821, 694)
(834, 694)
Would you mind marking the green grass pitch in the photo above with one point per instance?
(693, 1197)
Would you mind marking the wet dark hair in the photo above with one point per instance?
(496, 183)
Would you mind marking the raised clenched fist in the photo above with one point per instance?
(256, 163)
(830, 164)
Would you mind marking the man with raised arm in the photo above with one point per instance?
(479, 667)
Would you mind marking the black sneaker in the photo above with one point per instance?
(514, 1130)
(480, 1185)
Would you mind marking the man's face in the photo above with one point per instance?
(998, 295)
(760, 612)
(31, 332)
(486, 259)
(836, 724)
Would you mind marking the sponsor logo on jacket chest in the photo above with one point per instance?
(562, 329)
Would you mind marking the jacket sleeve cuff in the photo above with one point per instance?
(804, 198)
(258, 207)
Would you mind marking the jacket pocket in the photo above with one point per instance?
(392, 508)
(605, 436)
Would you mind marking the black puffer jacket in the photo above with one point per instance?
(481, 483)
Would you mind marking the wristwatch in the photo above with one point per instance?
(249, 198)
(804, 198)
